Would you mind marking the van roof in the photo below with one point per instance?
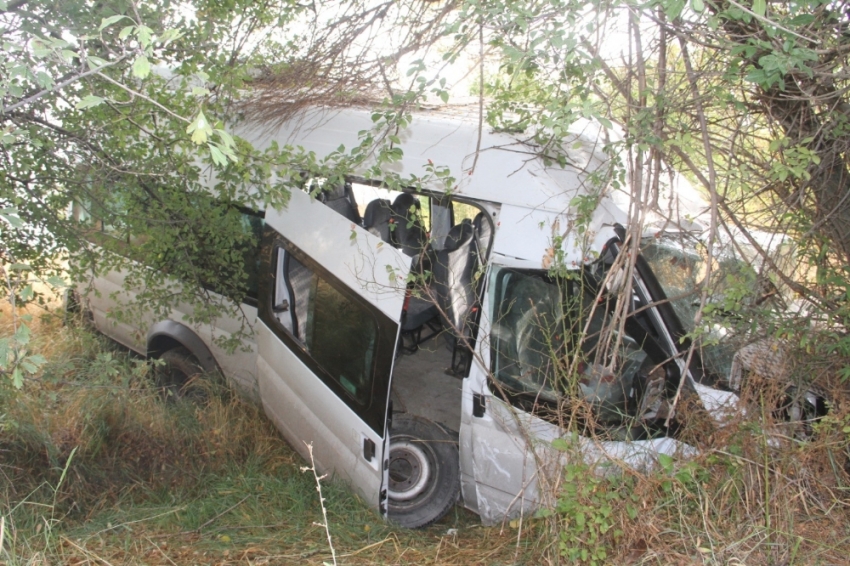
(488, 165)
(507, 170)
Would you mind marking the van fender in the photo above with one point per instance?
(168, 334)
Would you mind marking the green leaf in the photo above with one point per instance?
(673, 8)
(27, 293)
(106, 22)
(666, 462)
(217, 156)
(10, 215)
(759, 7)
(96, 62)
(144, 34)
(56, 281)
(89, 101)
(17, 379)
(697, 6)
(125, 32)
(802, 20)
(580, 520)
(200, 129)
(40, 49)
(22, 335)
(141, 67)
(168, 36)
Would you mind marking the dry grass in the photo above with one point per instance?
(96, 469)
(756, 493)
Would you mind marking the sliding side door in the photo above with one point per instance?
(330, 303)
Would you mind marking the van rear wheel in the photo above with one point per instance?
(178, 374)
(424, 472)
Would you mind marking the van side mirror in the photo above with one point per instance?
(283, 306)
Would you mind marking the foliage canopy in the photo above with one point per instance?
(125, 108)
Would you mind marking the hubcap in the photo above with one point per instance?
(409, 470)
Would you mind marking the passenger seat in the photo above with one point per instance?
(408, 234)
(341, 199)
(376, 218)
(453, 269)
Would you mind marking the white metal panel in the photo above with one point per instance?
(104, 294)
(529, 234)
(506, 169)
(306, 411)
(238, 366)
(366, 264)
(516, 469)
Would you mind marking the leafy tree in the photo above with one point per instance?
(125, 108)
(115, 142)
(119, 109)
(749, 101)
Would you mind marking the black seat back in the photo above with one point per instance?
(341, 199)
(376, 218)
(408, 234)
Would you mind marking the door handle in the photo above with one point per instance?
(368, 449)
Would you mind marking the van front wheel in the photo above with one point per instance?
(424, 472)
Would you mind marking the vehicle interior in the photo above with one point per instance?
(448, 242)
(538, 319)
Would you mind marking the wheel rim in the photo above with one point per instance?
(409, 470)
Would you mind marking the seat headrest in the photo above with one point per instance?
(403, 202)
(376, 211)
(459, 235)
(333, 192)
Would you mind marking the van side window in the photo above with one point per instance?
(137, 239)
(337, 331)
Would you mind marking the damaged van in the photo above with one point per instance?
(432, 345)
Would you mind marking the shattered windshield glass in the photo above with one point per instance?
(538, 325)
(680, 263)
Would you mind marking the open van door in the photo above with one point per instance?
(331, 299)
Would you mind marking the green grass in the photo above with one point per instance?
(96, 468)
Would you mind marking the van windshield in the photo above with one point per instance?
(679, 262)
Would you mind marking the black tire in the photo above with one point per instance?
(424, 472)
(73, 310)
(178, 376)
